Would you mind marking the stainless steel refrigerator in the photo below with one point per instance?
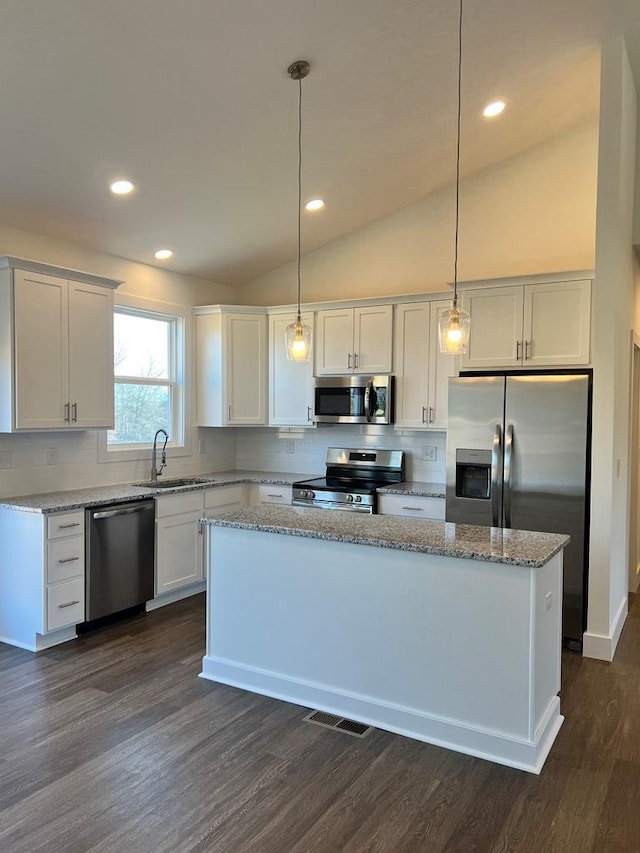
(517, 456)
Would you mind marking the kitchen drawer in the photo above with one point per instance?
(65, 524)
(412, 507)
(177, 504)
(274, 494)
(65, 559)
(65, 604)
(225, 496)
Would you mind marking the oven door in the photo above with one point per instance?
(353, 400)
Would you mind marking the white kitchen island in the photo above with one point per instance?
(449, 634)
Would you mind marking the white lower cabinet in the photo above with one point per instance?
(266, 494)
(225, 497)
(64, 574)
(412, 507)
(178, 541)
(65, 604)
(41, 577)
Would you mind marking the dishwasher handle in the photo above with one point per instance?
(110, 513)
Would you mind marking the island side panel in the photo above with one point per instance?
(416, 643)
(547, 649)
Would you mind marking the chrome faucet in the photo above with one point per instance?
(155, 471)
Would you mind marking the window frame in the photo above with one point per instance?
(180, 438)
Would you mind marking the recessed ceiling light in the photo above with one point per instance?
(314, 204)
(121, 187)
(493, 109)
(163, 254)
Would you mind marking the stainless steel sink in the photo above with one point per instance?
(175, 483)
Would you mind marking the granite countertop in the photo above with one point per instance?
(49, 502)
(415, 488)
(515, 547)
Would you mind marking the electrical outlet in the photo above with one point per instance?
(429, 453)
(202, 445)
(52, 455)
(5, 459)
(290, 446)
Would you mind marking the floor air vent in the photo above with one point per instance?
(339, 724)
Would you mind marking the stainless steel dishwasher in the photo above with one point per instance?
(119, 557)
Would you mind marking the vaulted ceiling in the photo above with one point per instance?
(192, 102)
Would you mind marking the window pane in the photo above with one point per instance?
(141, 346)
(140, 411)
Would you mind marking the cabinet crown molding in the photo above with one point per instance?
(542, 278)
(11, 262)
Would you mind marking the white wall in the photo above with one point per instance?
(77, 452)
(533, 213)
(613, 313)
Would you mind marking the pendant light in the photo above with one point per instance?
(454, 324)
(298, 334)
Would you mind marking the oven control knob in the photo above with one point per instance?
(358, 499)
(349, 498)
(310, 495)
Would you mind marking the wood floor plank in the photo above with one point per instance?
(112, 743)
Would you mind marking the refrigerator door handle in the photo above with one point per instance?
(508, 460)
(496, 453)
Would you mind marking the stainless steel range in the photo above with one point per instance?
(351, 479)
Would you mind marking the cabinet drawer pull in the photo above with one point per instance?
(272, 495)
(74, 413)
(229, 416)
(309, 418)
(69, 603)
(349, 361)
(430, 414)
(68, 524)
(527, 350)
(424, 414)
(414, 508)
(66, 412)
(68, 559)
(518, 345)
(355, 361)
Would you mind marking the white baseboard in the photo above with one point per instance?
(43, 641)
(495, 746)
(603, 646)
(175, 595)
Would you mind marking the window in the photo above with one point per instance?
(148, 390)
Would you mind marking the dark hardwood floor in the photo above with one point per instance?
(112, 743)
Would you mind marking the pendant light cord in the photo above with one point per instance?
(455, 253)
(299, 185)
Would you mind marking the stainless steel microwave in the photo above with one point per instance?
(354, 399)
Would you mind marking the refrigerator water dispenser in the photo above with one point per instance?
(473, 474)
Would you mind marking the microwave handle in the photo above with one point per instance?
(369, 395)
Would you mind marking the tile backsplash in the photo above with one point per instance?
(32, 463)
(304, 451)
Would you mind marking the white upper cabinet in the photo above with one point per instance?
(529, 325)
(231, 366)
(290, 382)
(354, 340)
(56, 336)
(422, 372)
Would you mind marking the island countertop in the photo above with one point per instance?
(491, 544)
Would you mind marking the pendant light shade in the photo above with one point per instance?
(454, 325)
(298, 335)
